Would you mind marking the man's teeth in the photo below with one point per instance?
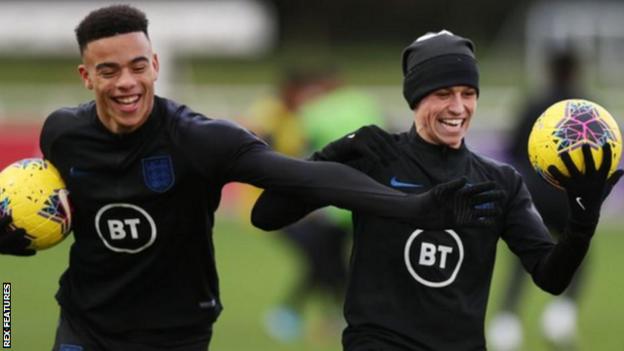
(127, 100)
(452, 122)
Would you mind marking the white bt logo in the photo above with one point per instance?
(434, 258)
(125, 228)
(117, 228)
(429, 253)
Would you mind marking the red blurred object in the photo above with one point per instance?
(18, 141)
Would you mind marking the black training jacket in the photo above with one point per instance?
(142, 267)
(415, 289)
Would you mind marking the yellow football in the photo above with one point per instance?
(33, 193)
(565, 127)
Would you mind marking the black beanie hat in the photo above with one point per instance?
(435, 61)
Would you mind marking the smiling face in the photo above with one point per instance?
(443, 116)
(121, 71)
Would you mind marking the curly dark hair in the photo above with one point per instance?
(109, 21)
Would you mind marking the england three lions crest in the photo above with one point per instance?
(158, 173)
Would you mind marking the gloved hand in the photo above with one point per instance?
(474, 205)
(586, 191)
(13, 241)
(370, 142)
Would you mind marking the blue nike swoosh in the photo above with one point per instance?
(77, 172)
(394, 182)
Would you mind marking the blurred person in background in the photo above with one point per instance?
(411, 288)
(312, 107)
(145, 176)
(559, 318)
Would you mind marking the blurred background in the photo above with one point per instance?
(224, 58)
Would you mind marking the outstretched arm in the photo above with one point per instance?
(274, 210)
(329, 183)
(325, 183)
(586, 192)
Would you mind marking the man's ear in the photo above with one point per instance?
(84, 74)
(155, 65)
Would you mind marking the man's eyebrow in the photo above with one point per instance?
(103, 65)
(139, 59)
(116, 65)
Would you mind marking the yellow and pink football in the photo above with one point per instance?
(565, 127)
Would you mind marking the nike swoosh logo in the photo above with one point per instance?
(578, 201)
(485, 205)
(208, 304)
(394, 182)
(77, 172)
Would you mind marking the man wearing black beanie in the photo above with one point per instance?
(413, 288)
(436, 61)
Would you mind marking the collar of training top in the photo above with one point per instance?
(417, 142)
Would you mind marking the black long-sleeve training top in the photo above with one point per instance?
(142, 264)
(416, 289)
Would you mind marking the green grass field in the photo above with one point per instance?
(256, 268)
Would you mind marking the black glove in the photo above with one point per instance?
(475, 205)
(14, 241)
(586, 191)
(370, 142)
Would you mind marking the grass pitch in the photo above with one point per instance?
(256, 268)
